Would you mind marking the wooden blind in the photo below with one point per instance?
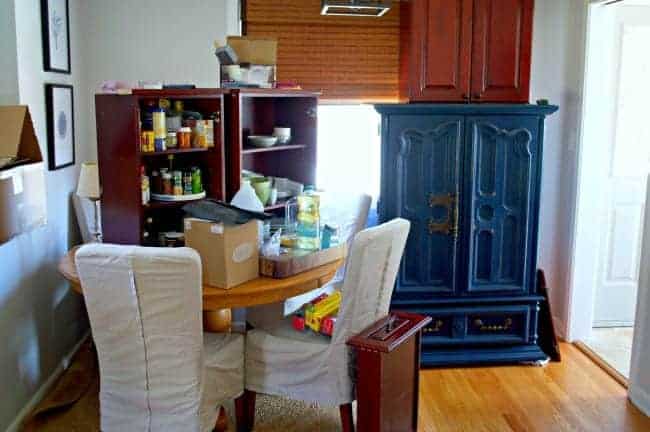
(348, 59)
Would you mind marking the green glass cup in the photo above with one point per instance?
(262, 187)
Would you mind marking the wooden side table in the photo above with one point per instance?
(388, 366)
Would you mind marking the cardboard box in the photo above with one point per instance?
(229, 253)
(260, 51)
(22, 185)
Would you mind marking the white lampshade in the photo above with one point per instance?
(88, 186)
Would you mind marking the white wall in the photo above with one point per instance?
(154, 40)
(8, 67)
(557, 72)
(170, 40)
(40, 319)
(639, 375)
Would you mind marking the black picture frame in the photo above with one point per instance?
(45, 32)
(54, 125)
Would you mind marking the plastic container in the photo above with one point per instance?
(308, 218)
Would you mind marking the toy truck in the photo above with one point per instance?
(314, 314)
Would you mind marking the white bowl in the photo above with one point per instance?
(262, 140)
(283, 134)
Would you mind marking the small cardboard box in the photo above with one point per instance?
(260, 51)
(22, 184)
(229, 253)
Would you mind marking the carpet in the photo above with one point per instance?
(73, 406)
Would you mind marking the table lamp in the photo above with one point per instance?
(88, 187)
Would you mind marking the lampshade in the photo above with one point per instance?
(88, 186)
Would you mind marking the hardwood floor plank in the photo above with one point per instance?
(575, 395)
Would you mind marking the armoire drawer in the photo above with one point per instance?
(482, 325)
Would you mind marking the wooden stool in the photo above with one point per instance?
(388, 366)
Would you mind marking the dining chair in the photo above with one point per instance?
(158, 370)
(314, 368)
(350, 214)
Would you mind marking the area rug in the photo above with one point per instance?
(73, 406)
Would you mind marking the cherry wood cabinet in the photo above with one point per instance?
(466, 50)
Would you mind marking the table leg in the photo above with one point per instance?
(218, 321)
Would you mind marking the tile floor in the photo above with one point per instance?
(614, 345)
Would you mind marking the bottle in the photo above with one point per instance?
(159, 129)
(146, 192)
(187, 183)
(175, 117)
(197, 182)
(308, 230)
(178, 182)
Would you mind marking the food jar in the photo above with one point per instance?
(172, 141)
(184, 137)
(167, 184)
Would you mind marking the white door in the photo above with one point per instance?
(625, 186)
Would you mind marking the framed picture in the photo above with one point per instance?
(60, 125)
(55, 23)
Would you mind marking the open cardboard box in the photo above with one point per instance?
(257, 59)
(22, 187)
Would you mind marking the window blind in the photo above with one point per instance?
(348, 59)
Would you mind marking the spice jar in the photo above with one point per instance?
(167, 185)
(146, 142)
(171, 140)
(184, 137)
(178, 183)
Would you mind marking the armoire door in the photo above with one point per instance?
(421, 172)
(440, 50)
(501, 50)
(501, 209)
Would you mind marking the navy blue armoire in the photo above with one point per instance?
(468, 178)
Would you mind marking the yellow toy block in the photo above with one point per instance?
(324, 308)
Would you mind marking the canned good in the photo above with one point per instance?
(147, 141)
(197, 183)
(178, 183)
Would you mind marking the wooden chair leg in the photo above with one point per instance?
(346, 417)
(245, 411)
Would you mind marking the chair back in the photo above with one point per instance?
(144, 306)
(350, 214)
(373, 263)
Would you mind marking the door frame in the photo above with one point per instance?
(591, 161)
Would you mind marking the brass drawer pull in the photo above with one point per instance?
(435, 328)
(507, 325)
(450, 224)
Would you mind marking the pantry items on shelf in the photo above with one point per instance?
(166, 125)
(175, 185)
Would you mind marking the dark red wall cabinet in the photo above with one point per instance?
(466, 50)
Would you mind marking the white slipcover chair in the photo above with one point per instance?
(314, 368)
(350, 214)
(158, 371)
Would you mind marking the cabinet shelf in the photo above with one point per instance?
(154, 205)
(176, 151)
(249, 150)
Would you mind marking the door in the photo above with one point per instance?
(501, 205)
(421, 165)
(440, 50)
(501, 52)
(624, 191)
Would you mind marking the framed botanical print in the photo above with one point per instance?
(55, 23)
(59, 106)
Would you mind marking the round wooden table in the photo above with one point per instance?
(217, 302)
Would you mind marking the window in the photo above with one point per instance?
(348, 149)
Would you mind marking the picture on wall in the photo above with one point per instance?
(60, 125)
(55, 25)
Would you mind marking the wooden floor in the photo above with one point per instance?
(575, 395)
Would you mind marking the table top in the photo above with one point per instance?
(256, 292)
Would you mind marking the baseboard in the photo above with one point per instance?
(64, 364)
(640, 399)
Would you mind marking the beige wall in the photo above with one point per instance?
(557, 75)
